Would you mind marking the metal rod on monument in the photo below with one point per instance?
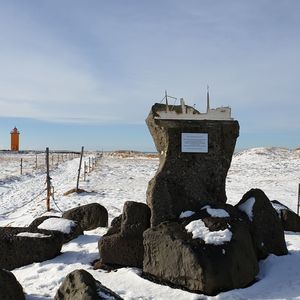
(77, 185)
(36, 161)
(298, 207)
(21, 166)
(48, 180)
(89, 164)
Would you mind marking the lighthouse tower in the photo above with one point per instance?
(14, 134)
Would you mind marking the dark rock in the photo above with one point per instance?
(123, 246)
(115, 226)
(81, 285)
(187, 181)
(265, 225)
(10, 288)
(18, 251)
(135, 218)
(289, 219)
(74, 233)
(172, 256)
(88, 216)
(118, 250)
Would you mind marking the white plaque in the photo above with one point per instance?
(194, 142)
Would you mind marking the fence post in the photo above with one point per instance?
(21, 166)
(36, 161)
(89, 164)
(48, 181)
(84, 171)
(298, 206)
(77, 185)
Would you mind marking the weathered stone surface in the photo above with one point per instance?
(173, 256)
(74, 233)
(118, 250)
(115, 226)
(123, 246)
(10, 288)
(289, 219)
(81, 285)
(185, 181)
(135, 218)
(265, 225)
(88, 216)
(18, 251)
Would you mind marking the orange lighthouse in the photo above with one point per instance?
(14, 134)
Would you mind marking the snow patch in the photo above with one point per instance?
(32, 235)
(247, 207)
(278, 207)
(217, 213)
(58, 224)
(200, 231)
(186, 214)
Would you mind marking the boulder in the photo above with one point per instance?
(69, 228)
(135, 218)
(81, 285)
(123, 246)
(289, 219)
(184, 180)
(88, 216)
(265, 225)
(10, 288)
(21, 246)
(218, 254)
(115, 225)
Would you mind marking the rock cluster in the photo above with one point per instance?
(196, 241)
(123, 243)
(24, 245)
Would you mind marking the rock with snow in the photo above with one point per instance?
(69, 228)
(10, 288)
(265, 225)
(124, 246)
(207, 255)
(186, 181)
(89, 216)
(81, 285)
(289, 219)
(21, 246)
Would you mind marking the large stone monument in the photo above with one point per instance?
(196, 241)
(195, 151)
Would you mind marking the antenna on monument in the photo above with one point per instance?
(167, 104)
(207, 100)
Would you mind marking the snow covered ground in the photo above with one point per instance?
(116, 180)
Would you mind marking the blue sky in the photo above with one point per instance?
(86, 73)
